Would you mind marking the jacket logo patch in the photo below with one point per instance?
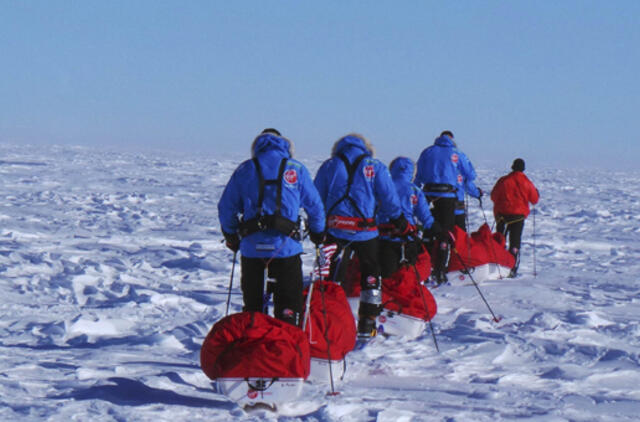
(460, 179)
(369, 172)
(291, 176)
(414, 199)
(454, 157)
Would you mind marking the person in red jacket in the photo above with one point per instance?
(511, 196)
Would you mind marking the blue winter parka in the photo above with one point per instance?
(372, 186)
(412, 199)
(441, 163)
(239, 199)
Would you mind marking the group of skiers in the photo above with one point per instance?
(379, 214)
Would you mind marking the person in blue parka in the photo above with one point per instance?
(352, 184)
(396, 251)
(259, 214)
(440, 173)
(466, 184)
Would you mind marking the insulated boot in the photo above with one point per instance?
(370, 307)
(516, 254)
(442, 263)
(366, 328)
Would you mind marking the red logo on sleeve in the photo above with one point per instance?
(369, 172)
(414, 199)
(454, 157)
(291, 176)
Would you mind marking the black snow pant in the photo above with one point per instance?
(391, 256)
(461, 221)
(513, 226)
(444, 213)
(287, 289)
(370, 285)
(460, 212)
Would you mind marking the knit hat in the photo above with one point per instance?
(271, 130)
(518, 165)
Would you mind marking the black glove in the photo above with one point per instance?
(317, 238)
(232, 241)
(402, 226)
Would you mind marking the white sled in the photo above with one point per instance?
(480, 273)
(397, 324)
(253, 391)
(320, 370)
(394, 323)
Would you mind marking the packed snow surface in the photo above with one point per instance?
(112, 271)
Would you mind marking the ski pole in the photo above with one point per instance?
(424, 303)
(233, 267)
(535, 273)
(495, 318)
(308, 304)
(326, 339)
(324, 316)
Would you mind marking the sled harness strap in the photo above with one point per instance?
(272, 221)
(361, 223)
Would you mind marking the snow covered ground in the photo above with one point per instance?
(112, 272)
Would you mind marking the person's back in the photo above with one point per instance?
(513, 193)
(438, 168)
(268, 191)
(511, 197)
(352, 184)
(439, 173)
(351, 207)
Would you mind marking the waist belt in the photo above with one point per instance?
(351, 223)
(265, 222)
(439, 187)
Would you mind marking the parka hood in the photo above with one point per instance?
(352, 141)
(402, 168)
(444, 141)
(271, 142)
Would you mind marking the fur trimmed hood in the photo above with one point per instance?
(352, 140)
(270, 141)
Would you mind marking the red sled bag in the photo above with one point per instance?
(254, 345)
(481, 247)
(351, 284)
(403, 292)
(330, 320)
(403, 299)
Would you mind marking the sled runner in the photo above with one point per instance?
(254, 358)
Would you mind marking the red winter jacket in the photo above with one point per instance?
(512, 193)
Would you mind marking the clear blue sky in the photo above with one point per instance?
(557, 83)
